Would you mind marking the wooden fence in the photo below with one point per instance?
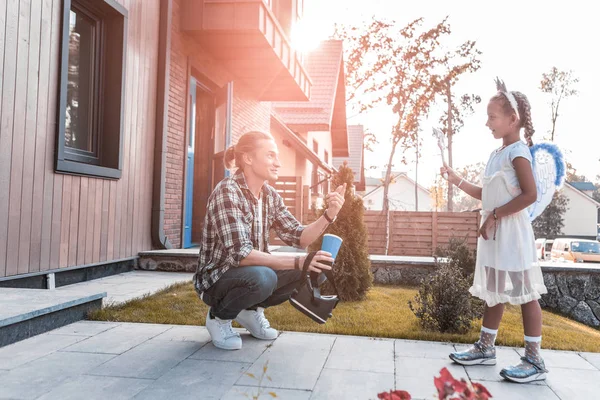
(411, 233)
(419, 233)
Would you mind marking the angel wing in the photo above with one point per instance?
(549, 174)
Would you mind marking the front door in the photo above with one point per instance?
(189, 179)
(209, 131)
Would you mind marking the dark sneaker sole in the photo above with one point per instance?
(532, 378)
(479, 361)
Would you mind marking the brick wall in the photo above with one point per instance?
(248, 114)
(176, 132)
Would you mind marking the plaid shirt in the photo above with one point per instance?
(231, 231)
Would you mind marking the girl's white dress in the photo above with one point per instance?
(507, 269)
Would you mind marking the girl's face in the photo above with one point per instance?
(500, 123)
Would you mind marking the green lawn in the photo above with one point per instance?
(384, 313)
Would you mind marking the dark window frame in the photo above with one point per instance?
(107, 96)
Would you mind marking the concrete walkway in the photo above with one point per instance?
(103, 360)
(100, 360)
(129, 285)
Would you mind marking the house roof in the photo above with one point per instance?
(372, 181)
(298, 144)
(356, 138)
(378, 182)
(571, 186)
(583, 186)
(326, 109)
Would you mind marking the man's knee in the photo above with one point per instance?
(266, 280)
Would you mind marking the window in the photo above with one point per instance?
(91, 88)
(326, 157)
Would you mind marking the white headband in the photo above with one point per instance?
(509, 96)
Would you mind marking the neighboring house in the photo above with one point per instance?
(401, 194)
(102, 160)
(321, 122)
(584, 187)
(355, 160)
(581, 217)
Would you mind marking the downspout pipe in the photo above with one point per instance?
(159, 240)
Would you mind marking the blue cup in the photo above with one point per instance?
(331, 244)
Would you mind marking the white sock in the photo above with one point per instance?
(532, 348)
(487, 337)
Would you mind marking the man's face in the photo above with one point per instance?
(264, 162)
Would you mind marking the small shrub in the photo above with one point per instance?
(443, 302)
(352, 270)
(458, 255)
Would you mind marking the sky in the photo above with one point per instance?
(520, 40)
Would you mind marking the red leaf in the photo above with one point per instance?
(402, 395)
(446, 375)
(481, 391)
(460, 386)
(394, 395)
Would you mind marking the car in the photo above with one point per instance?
(575, 250)
(543, 248)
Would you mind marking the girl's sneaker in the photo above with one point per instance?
(526, 371)
(475, 355)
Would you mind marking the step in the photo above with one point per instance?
(28, 312)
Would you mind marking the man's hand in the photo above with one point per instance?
(316, 265)
(335, 201)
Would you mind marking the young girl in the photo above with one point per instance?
(507, 270)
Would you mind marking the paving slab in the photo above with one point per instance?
(128, 285)
(592, 358)
(185, 333)
(563, 359)
(34, 379)
(22, 352)
(417, 348)
(84, 328)
(247, 392)
(251, 350)
(517, 391)
(149, 360)
(120, 339)
(195, 379)
(348, 385)
(294, 361)
(362, 354)
(97, 387)
(574, 383)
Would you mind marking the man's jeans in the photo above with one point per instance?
(242, 288)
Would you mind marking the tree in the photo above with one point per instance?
(352, 268)
(402, 69)
(471, 173)
(572, 175)
(452, 125)
(596, 194)
(550, 223)
(370, 140)
(438, 193)
(559, 85)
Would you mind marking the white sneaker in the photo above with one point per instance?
(222, 334)
(257, 324)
